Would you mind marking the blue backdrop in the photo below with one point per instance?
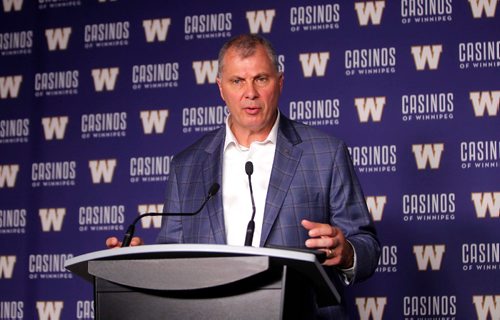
(97, 96)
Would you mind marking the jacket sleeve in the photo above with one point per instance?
(350, 214)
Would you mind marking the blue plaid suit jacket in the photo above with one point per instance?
(312, 178)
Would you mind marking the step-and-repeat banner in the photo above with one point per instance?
(96, 96)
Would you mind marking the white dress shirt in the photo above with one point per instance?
(235, 188)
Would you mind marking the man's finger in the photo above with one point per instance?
(317, 229)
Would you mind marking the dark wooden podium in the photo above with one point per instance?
(192, 281)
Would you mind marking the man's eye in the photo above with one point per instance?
(262, 80)
(236, 81)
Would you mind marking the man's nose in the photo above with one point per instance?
(251, 91)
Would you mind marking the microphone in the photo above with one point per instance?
(251, 223)
(131, 229)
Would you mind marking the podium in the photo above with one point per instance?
(198, 281)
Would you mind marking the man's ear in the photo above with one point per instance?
(281, 80)
(219, 84)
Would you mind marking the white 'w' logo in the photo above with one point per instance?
(428, 153)
(426, 55)
(370, 107)
(488, 101)
(58, 38)
(156, 29)
(205, 70)
(369, 11)
(105, 77)
(314, 63)
(260, 20)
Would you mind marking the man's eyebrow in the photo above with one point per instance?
(263, 74)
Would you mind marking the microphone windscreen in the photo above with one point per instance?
(249, 167)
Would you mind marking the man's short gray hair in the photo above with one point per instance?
(245, 45)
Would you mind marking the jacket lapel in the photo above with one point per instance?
(212, 172)
(286, 160)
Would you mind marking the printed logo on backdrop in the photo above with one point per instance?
(48, 266)
(415, 11)
(281, 63)
(57, 83)
(429, 256)
(9, 86)
(150, 221)
(154, 121)
(376, 206)
(479, 55)
(260, 20)
(427, 57)
(314, 63)
(320, 112)
(428, 155)
(149, 169)
(84, 309)
(102, 170)
(363, 62)
(205, 71)
(481, 257)
(57, 38)
(45, 4)
(369, 12)
(371, 107)
(429, 207)
(480, 154)
(8, 175)
(483, 8)
(485, 103)
(53, 174)
(154, 76)
(371, 308)
(427, 106)
(12, 309)
(7, 264)
(486, 204)
(487, 306)
(52, 219)
(13, 221)
(14, 130)
(106, 34)
(203, 118)
(104, 125)
(208, 26)
(374, 159)
(430, 307)
(12, 5)
(156, 29)
(16, 43)
(54, 127)
(315, 17)
(105, 78)
(388, 261)
(49, 310)
(101, 218)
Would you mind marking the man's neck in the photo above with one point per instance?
(245, 137)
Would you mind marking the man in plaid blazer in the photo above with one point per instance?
(306, 189)
(313, 197)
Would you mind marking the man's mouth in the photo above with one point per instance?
(251, 109)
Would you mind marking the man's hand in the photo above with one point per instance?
(330, 239)
(113, 242)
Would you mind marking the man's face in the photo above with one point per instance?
(251, 88)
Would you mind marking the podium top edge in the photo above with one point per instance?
(208, 249)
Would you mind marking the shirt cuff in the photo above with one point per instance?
(348, 274)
